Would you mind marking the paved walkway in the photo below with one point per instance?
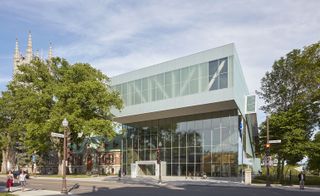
(169, 182)
(30, 192)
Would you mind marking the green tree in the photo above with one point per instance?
(291, 92)
(44, 93)
(314, 155)
(8, 134)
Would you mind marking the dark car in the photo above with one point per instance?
(17, 173)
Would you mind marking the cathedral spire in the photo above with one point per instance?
(50, 52)
(16, 50)
(29, 48)
(16, 57)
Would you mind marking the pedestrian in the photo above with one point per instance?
(10, 181)
(22, 180)
(302, 178)
(119, 174)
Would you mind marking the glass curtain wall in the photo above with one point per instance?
(190, 145)
(193, 79)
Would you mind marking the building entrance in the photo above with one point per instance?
(146, 168)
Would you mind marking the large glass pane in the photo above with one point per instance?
(167, 152)
(145, 90)
(159, 92)
(204, 69)
(224, 80)
(199, 138)
(194, 86)
(159, 86)
(191, 155)
(224, 61)
(130, 93)
(124, 89)
(185, 81)
(168, 78)
(216, 136)
(201, 144)
(183, 155)
(176, 140)
(175, 155)
(176, 83)
(168, 91)
(207, 169)
(137, 93)
(176, 170)
(204, 75)
(215, 84)
(191, 138)
(207, 137)
(169, 169)
(194, 72)
(152, 83)
(213, 68)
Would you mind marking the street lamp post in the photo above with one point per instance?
(159, 160)
(268, 146)
(64, 180)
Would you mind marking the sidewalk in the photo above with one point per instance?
(170, 182)
(30, 192)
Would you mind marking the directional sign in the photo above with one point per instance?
(57, 135)
(274, 141)
(267, 160)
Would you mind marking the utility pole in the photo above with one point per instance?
(64, 180)
(267, 154)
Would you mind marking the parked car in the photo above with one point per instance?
(17, 173)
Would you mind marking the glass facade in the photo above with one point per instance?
(197, 78)
(189, 145)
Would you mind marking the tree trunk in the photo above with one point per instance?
(8, 158)
(4, 169)
(60, 157)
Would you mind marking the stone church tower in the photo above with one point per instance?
(19, 59)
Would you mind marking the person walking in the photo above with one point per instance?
(10, 181)
(302, 178)
(22, 180)
(119, 174)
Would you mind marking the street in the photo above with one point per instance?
(127, 187)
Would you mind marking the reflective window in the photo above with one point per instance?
(193, 79)
(189, 145)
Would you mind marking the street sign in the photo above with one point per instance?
(267, 160)
(57, 135)
(274, 141)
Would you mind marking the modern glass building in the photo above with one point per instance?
(195, 111)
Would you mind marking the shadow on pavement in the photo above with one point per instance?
(188, 190)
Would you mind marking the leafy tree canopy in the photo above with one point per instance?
(291, 92)
(44, 93)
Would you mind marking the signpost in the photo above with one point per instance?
(57, 135)
(274, 141)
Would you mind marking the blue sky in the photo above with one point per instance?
(119, 36)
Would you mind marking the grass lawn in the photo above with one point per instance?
(310, 180)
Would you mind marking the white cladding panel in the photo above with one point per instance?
(235, 93)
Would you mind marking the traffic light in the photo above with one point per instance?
(268, 149)
(158, 156)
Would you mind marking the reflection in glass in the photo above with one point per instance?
(185, 81)
(191, 145)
